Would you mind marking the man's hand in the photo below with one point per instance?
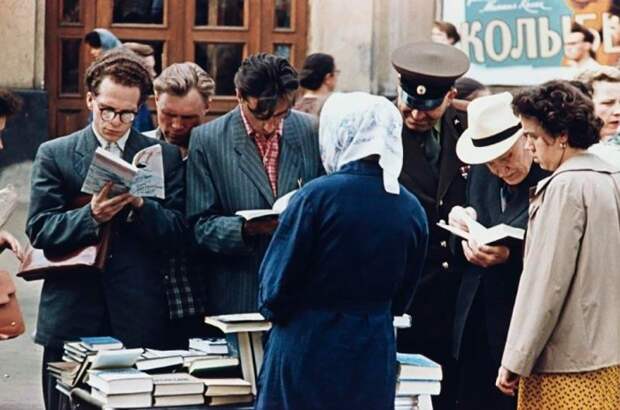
(8, 241)
(485, 255)
(507, 381)
(458, 215)
(260, 226)
(104, 208)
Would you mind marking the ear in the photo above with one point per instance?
(90, 100)
(238, 95)
(563, 139)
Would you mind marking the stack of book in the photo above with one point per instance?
(418, 376)
(227, 391)
(244, 333)
(122, 388)
(177, 389)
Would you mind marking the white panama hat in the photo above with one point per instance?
(493, 129)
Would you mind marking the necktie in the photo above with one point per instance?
(114, 149)
(432, 148)
(506, 194)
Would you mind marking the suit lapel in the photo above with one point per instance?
(288, 161)
(449, 163)
(84, 152)
(249, 160)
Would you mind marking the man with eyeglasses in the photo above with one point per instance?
(247, 159)
(182, 96)
(431, 170)
(127, 300)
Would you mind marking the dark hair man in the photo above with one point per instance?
(432, 171)
(247, 159)
(127, 300)
(578, 48)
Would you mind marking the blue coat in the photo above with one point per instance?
(126, 301)
(346, 256)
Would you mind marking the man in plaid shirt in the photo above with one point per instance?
(182, 95)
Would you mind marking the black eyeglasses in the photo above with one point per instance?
(108, 114)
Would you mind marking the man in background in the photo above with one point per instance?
(578, 48)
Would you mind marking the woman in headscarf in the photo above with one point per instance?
(344, 259)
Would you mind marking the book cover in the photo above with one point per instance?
(171, 384)
(101, 342)
(120, 381)
(418, 367)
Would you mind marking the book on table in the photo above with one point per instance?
(180, 400)
(213, 345)
(174, 384)
(120, 381)
(214, 366)
(417, 387)
(278, 207)
(115, 359)
(123, 401)
(417, 367)
(227, 387)
(224, 400)
(144, 176)
(501, 234)
(100, 343)
(159, 361)
(241, 322)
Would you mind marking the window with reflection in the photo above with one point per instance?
(282, 50)
(71, 11)
(221, 61)
(156, 60)
(70, 66)
(283, 11)
(138, 12)
(219, 13)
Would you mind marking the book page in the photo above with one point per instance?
(278, 207)
(8, 203)
(106, 167)
(149, 181)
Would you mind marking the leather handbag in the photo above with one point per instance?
(11, 319)
(39, 264)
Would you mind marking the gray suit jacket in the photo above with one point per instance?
(127, 301)
(225, 174)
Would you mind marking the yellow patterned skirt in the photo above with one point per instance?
(595, 390)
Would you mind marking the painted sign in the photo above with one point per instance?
(515, 42)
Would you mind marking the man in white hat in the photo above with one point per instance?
(501, 173)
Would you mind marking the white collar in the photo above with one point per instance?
(103, 142)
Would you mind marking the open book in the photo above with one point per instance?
(278, 207)
(8, 203)
(143, 177)
(501, 234)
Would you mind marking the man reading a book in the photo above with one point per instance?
(182, 95)
(498, 184)
(127, 299)
(244, 160)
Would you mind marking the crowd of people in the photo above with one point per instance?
(517, 324)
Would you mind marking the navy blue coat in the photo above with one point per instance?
(346, 256)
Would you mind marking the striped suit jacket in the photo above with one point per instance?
(225, 174)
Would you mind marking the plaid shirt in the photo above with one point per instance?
(185, 297)
(268, 149)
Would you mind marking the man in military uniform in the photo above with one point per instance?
(433, 172)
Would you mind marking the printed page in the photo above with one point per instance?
(149, 181)
(106, 167)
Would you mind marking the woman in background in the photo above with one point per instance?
(563, 346)
(318, 77)
(345, 258)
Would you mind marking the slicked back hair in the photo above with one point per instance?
(178, 80)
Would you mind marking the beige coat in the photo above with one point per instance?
(567, 312)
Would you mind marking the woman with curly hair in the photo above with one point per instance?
(563, 346)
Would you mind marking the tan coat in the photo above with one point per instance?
(567, 312)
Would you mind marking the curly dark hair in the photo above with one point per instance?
(124, 67)
(10, 103)
(560, 108)
(268, 78)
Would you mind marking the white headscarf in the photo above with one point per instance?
(356, 125)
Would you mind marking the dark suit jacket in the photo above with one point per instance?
(495, 287)
(127, 301)
(225, 174)
(433, 303)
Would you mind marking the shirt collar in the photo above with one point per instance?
(251, 132)
(103, 142)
